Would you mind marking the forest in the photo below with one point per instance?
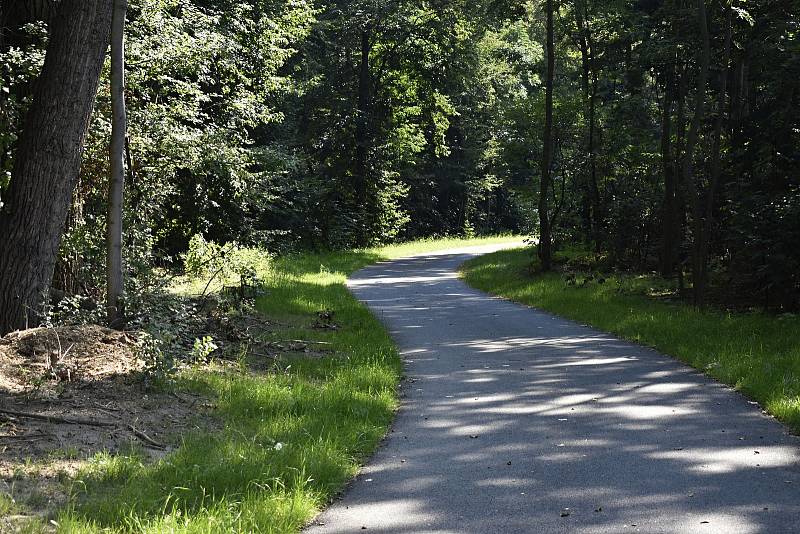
(661, 135)
(144, 142)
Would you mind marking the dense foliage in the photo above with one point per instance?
(333, 124)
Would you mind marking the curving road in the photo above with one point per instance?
(514, 420)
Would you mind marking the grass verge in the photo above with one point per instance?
(290, 438)
(756, 353)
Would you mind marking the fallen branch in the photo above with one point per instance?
(212, 279)
(57, 419)
(307, 342)
(29, 437)
(144, 437)
(106, 412)
(80, 421)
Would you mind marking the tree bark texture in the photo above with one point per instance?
(362, 124)
(669, 214)
(704, 237)
(545, 249)
(361, 171)
(703, 201)
(589, 84)
(691, 143)
(116, 186)
(49, 157)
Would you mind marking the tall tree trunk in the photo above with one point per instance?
(583, 46)
(704, 237)
(691, 143)
(116, 186)
(48, 159)
(362, 124)
(669, 214)
(680, 142)
(594, 190)
(589, 83)
(14, 15)
(545, 249)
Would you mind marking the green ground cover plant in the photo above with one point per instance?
(289, 437)
(757, 353)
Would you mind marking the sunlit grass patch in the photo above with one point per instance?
(290, 438)
(759, 354)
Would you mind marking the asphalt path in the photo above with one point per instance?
(514, 420)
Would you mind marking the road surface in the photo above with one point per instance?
(516, 421)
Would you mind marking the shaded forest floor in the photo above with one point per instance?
(757, 353)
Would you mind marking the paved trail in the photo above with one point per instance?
(510, 416)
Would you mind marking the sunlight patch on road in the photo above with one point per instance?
(708, 460)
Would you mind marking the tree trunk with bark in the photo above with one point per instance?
(594, 190)
(680, 143)
(669, 215)
(589, 84)
(703, 201)
(545, 249)
(116, 184)
(361, 170)
(704, 236)
(691, 143)
(48, 159)
(583, 46)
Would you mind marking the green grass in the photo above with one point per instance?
(290, 439)
(7, 504)
(759, 354)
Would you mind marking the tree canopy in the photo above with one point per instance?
(673, 142)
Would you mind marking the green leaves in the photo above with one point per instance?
(744, 15)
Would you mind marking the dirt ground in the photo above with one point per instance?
(66, 394)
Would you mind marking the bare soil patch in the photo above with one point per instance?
(67, 393)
